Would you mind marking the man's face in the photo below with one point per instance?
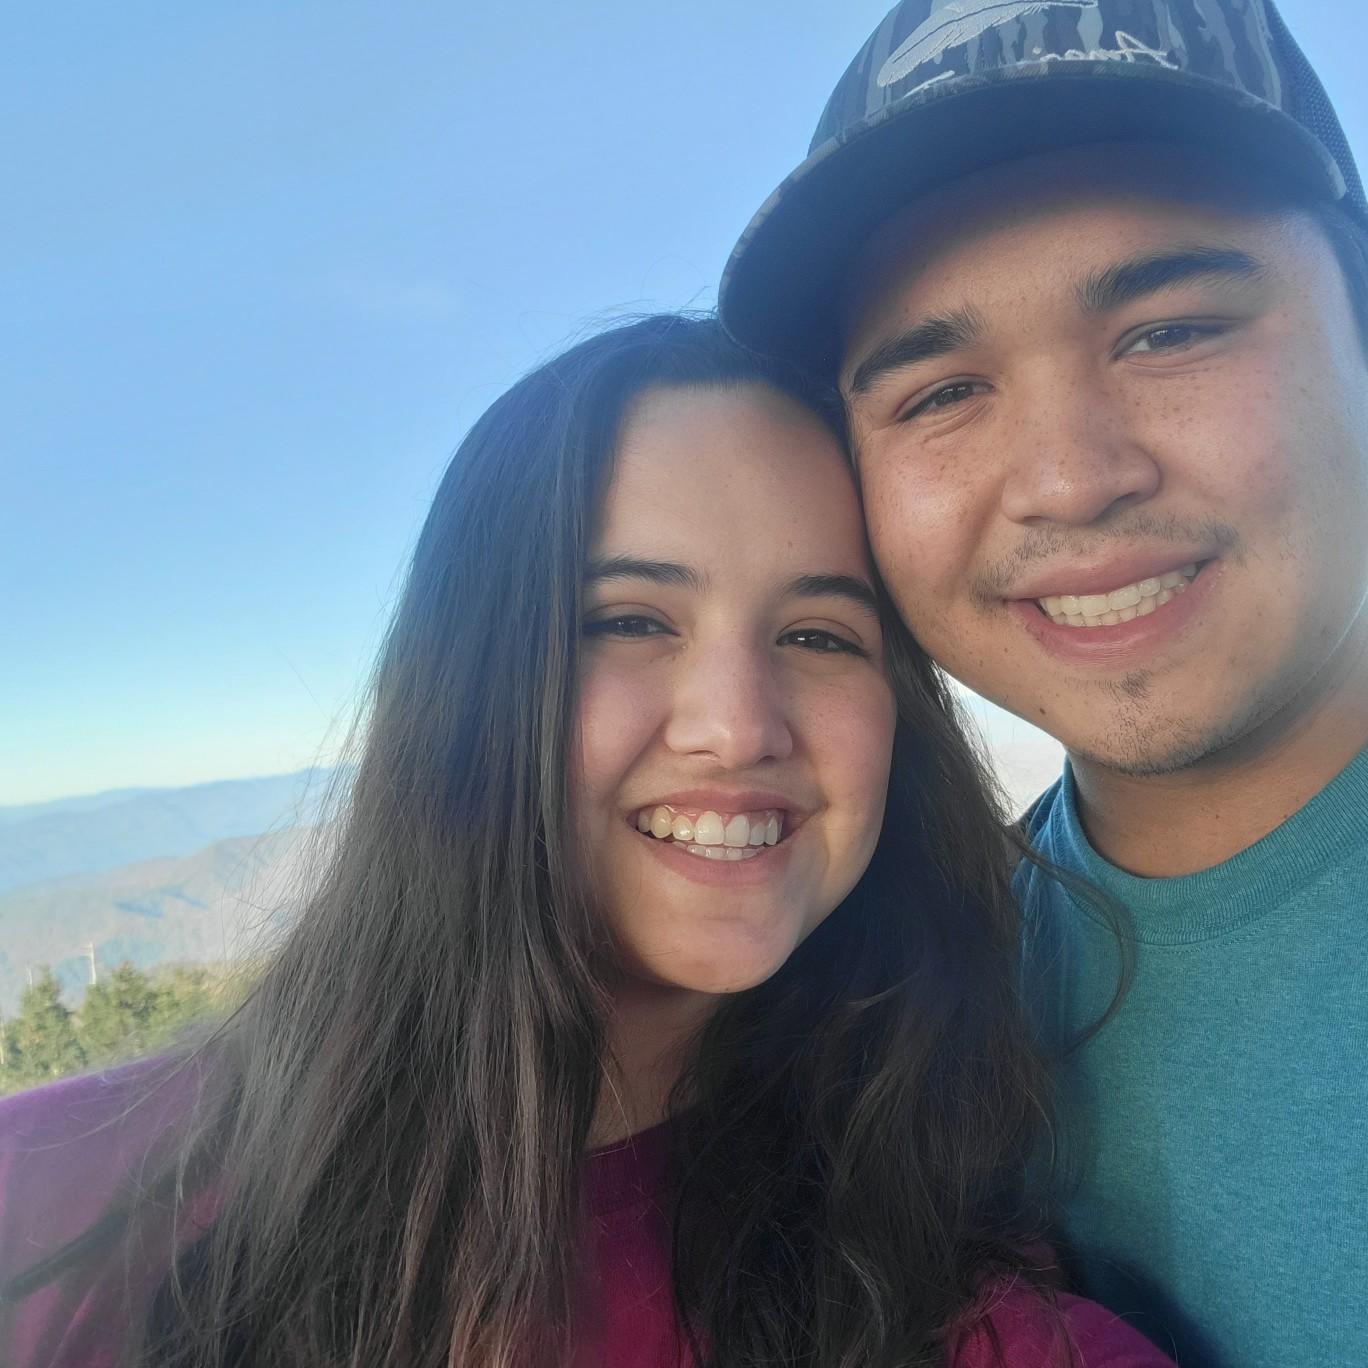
(1113, 443)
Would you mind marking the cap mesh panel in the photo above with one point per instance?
(1307, 102)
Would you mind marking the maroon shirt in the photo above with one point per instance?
(66, 1152)
(631, 1319)
(68, 1149)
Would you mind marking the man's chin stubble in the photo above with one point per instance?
(1132, 750)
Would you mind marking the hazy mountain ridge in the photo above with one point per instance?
(1027, 760)
(219, 903)
(1026, 769)
(44, 841)
(85, 802)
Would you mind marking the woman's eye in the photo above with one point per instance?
(1170, 337)
(625, 625)
(945, 397)
(821, 642)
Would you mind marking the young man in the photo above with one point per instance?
(1093, 277)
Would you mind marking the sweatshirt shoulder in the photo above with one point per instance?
(69, 1148)
(1037, 819)
(1039, 825)
(80, 1109)
(1017, 1325)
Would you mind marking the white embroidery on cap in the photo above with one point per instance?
(1128, 49)
(961, 21)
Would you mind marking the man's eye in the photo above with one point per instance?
(945, 397)
(821, 642)
(624, 625)
(1171, 337)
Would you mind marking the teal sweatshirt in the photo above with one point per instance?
(1214, 1145)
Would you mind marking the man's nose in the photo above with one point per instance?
(1075, 456)
(729, 706)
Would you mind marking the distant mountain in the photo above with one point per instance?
(217, 904)
(1027, 761)
(85, 803)
(1026, 766)
(44, 841)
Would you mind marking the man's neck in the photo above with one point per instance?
(1162, 826)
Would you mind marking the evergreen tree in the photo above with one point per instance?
(117, 1014)
(9, 1059)
(183, 996)
(42, 1037)
(128, 1013)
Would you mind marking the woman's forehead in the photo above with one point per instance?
(738, 477)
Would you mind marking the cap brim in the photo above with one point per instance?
(780, 290)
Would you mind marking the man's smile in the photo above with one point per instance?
(1137, 599)
(1117, 629)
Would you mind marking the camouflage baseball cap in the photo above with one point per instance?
(947, 87)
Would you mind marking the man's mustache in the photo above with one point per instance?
(1074, 545)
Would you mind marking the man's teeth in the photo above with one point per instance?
(713, 835)
(1120, 605)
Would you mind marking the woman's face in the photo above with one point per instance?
(735, 721)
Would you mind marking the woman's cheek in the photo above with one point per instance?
(876, 755)
(852, 745)
(617, 718)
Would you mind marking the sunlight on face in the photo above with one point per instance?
(735, 721)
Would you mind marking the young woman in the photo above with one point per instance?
(658, 1004)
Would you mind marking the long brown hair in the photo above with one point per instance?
(397, 1148)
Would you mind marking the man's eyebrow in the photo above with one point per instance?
(839, 586)
(1143, 275)
(924, 341)
(634, 567)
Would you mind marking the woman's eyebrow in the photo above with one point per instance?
(850, 587)
(655, 572)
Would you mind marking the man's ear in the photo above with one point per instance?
(1348, 240)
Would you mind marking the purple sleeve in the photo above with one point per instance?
(66, 1151)
(1017, 1329)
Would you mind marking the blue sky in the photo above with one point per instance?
(266, 263)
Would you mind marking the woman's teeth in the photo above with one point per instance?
(1120, 605)
(713, 835)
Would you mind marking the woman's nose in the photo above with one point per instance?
(728, 705)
